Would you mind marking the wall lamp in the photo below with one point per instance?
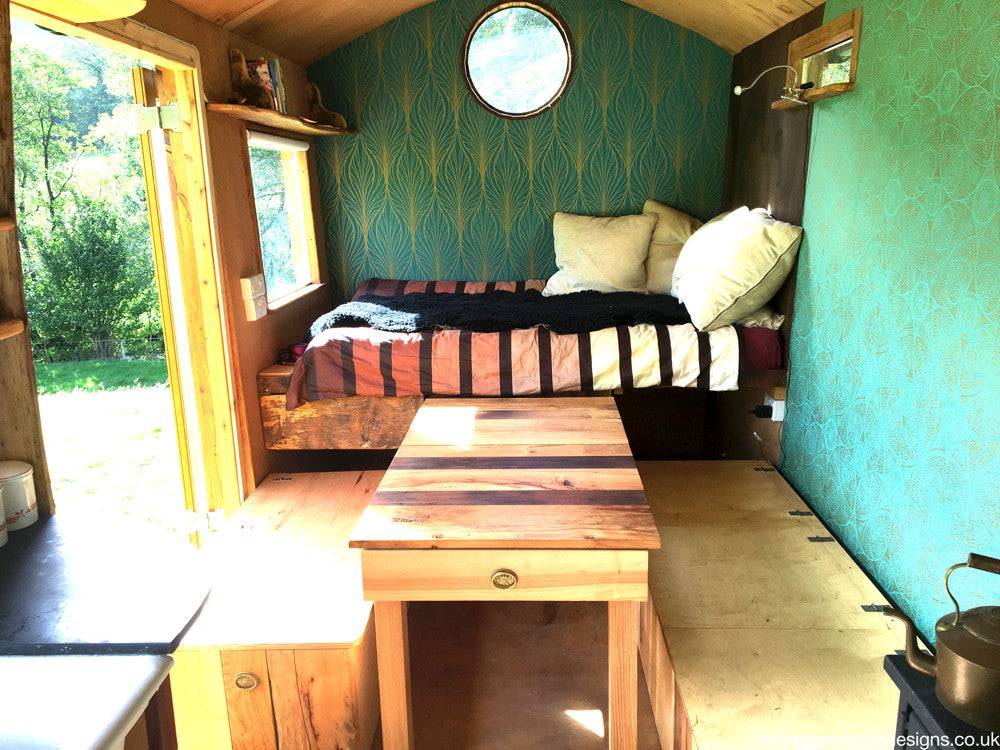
(791, 93)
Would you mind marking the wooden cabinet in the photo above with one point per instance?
(283, 654)
(270, 698)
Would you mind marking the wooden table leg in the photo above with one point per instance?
(623, 675)
(393, 648)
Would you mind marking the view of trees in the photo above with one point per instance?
(81, 202)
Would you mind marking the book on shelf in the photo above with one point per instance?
(278, 84)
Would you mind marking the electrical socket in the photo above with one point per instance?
(777, 408)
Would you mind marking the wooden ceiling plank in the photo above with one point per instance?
(248, 13)
(305, 31)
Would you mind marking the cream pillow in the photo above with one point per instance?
(600, 254)
(765, 317)
(672, 230)
(733, 265)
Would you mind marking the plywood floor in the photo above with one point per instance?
(488, 675)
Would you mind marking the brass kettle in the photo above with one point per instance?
(967, 667)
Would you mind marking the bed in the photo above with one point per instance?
(358, 387)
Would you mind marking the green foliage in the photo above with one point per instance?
(82, 214)
(100, 375)
(272, 218)
(92, 283)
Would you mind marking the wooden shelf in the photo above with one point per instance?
(10, 327)
(274, 119)
(786, 104)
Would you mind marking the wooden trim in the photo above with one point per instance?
(124, 35)
(295, 296)
(659, 673)
(144, 85)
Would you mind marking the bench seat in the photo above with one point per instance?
(283, 653)
(755, 636)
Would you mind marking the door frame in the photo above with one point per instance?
(213, 443)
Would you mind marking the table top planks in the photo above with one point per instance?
(536, 473)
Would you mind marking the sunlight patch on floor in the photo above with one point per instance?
(590, 719)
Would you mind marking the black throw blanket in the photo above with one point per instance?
(580, 312)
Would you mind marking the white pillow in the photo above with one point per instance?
(600, 254)
(672, 230)
(733, 265)
(765, 317)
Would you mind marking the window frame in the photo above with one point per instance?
(298, 201)
(561, 26)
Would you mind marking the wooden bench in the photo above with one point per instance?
(757, 634)
(283, 654)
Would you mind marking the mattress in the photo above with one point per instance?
(525, 362)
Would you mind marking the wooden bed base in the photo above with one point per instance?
(366, 422)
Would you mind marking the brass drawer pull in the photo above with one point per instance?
(504, 579)
(247, 681)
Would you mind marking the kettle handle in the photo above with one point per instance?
(984, 563)
(976, 562)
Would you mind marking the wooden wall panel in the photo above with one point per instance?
(766, 166)
(20, 425)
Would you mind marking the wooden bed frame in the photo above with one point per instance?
(369, 422)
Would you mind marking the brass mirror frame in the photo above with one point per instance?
(556, 20)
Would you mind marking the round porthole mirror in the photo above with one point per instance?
(518, 59)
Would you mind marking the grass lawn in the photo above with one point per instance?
(100, 375)
(111, 442)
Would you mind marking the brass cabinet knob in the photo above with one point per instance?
(504, 579)
(247, 681)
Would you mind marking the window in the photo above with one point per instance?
(518, 59)
(280, 174)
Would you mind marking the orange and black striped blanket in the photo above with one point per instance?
(363, 361)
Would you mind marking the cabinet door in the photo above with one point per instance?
(248, 698)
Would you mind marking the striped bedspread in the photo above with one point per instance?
(535, 361)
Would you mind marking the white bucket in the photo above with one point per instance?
(17, 488)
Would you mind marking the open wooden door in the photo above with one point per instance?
(188, 278)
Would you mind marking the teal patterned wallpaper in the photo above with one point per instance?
(436, 187)
(893, 429)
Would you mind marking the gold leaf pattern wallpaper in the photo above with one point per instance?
(435, 187)
(893, 425)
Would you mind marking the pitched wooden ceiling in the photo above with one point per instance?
(306, 30)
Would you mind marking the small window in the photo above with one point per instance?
(518, 59)
(280, 174)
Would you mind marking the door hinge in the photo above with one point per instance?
(159, 117)
(208, 520)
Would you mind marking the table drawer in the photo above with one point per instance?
(505, 575)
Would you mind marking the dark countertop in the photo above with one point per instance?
(75, 702)
(71, 584)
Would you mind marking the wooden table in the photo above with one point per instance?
(509, 500)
